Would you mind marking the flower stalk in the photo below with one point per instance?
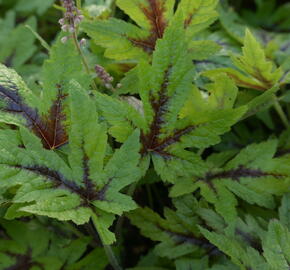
(69, 23)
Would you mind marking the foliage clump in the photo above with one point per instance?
(144, 135)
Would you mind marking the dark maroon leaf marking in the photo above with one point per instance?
(189, 19)
(236, 175)
(49, 128)
(155, 15)
(23, 261)
(282, 152)
(87, 193)
(90, 193)
(150, 141)
(9, 60)
(251, 240)
(191, 239)
(53, 129)
(159, 106)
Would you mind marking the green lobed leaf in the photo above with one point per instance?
(77, 190)
(21, 248)
(124, 40)
(177, 231)
(254, 69)
(17, 43)
(171, 118)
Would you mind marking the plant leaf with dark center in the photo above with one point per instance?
(39, 181)
(174, 115)
(253, 69)
(23, 250)
(176, 232)
(253, 175)
(54, 129)
(128, 41)
(50, 127)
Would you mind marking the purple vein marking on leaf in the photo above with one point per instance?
(150, 141)
(252, 241)
(205, 62)
(102, 192)
(155, 15)
(23, 261)
(16, 105)
(87, 193)
(60, 182)
(173, 138)
(159, 106)
(147, 45)
(259, 76)
(191, 16)
(48, 128)
(9, 60)
(89, 184)
(201, 242)
(91, 190)
(56, 177)
(191, 239)
(282, 152)
(4, 235)
(53, 122)
(236, 175)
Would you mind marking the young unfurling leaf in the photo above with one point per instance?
(254, 70)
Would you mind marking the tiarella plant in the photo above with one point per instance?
(149, 135)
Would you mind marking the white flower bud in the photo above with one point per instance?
(61, 21)
(64, 28)
(71, 29)
(64, 39)
(108, 85)
(83, 42)
(77, 21)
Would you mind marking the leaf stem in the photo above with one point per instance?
(281, 113)
(39, 38)
(74, 230)
(113, 7)
(108, 249)
(150, 197)
(120, 220)
(58, 7)
(84, 60)
(112, 258)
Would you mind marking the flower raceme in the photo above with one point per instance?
(72, 18)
